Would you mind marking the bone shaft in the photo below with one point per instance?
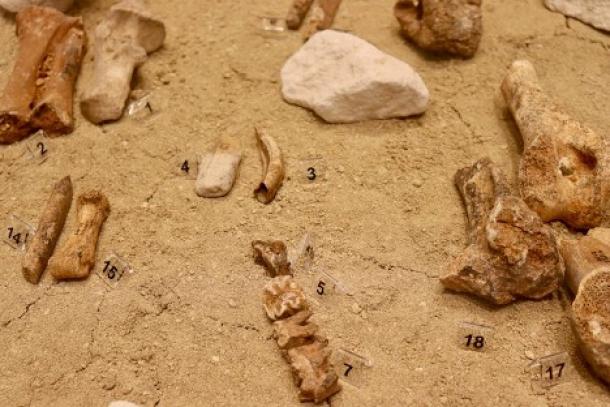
(296, 13)
(273, 167)
(50, 225)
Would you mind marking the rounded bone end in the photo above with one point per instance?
(101, 108)
(521, 73)
(151, 31)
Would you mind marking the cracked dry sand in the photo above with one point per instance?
(188, 327)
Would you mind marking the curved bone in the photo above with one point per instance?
(283, 297)
(273, 254)
(512, 253)
(296, 13)
(39, 93)
(15, 6)
(322, 16)
(442, 26)
(273, 167)
(50, 225)
(564, 165)
(122, 41)
(218, 170)
(76, 257)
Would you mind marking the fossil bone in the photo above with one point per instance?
(564, 167)
(511, 253)
(75, 259)
(273, 167)
(15, 6)
(273, 255)
(588, 276)
(39, 92)
(441, 26)
(295, 330)
(296, 13)
(322, 16)
(218, 170)
(122, 41)
(283, 297)
(50, 225)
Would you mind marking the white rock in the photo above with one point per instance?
(592, 12)
(122, 403)
(15, 6)
(346, 79)
(218, 170)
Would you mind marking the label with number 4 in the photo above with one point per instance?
(113, 269)
(475, 337)
(188, 166)
(38, 147)
(17, 233)
(550, 370)
(351, 367)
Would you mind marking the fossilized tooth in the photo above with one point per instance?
(122, 41)
(322, 16)
(50, 225)
(218, 169)
(15, 6)
(75, 259)
(511, 253)
(441, 26)
(283, 297)
(295, 330)
(273, 255)
(273, 167)
(296, 13)
(313, 372)
(39, 91)
(564, 169)
(588, 276)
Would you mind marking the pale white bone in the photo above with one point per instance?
(218, 170)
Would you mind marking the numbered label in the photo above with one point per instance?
(301, 256)
(38, 147)
(351, 367)
(273, 24)
(113, 270)
(187, 166)
(475, 337)
(140, 107)
(549, 371)
(325, 285)
(312, 169)
(17, 233)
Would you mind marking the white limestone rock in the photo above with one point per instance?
(592, 12)
(345, 79)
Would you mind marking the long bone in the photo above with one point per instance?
(273, 167)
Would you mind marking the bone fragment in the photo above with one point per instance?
(295, 330)
(273, 254)
(50, 225)
(441, 26)
(273, 167)
(218, 170)
(296, 13)
(283, 297)
(511, 253)
(322, 16)
(122, 41)
(14, 6)
(564, 169)
(75, 259)
(39, 92)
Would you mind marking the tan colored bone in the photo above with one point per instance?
(441, 26)
(75, 259)
(297, 12)
(15, 6)
(283, 297)
(273, 254)
(122, 41)
(322, 16)
(511, 253)
(295, 330)
(50, 225)
(273, 167)
(218, 169)
(39, 92)
(563, 172)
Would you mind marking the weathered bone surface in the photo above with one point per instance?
(50, 225)
(283, 297)
(563, 174)
(295, 330)
(122, 41)
(511, 253)
(322, 16)
(75, 259)
(592, 12)
(442, 26)
(273, 254)
(296, 13)
(273, 167)
(15, 6)
(218, 169)
(39, 92)
(588, 275)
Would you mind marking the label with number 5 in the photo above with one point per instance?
(113, 270)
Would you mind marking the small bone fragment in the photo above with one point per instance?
(283, 297)
(273, 167)
(122, 41)
(511, 253)
(442, 26)
(15, 6)
(296, 13)
(218, 170)
(39, 92)
(75, 259)
(564, 169)
(588, 276)
(50, 225)
(322, 16)
(273, 255)
(295, 330)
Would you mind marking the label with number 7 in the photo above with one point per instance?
(351, 367)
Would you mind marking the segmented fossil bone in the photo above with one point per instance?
(122, 41)
(273, 167)
(282, 297)
(322, 16)
(75, 259)
(297, 12)
(50, 225)
(564, 170)
(273, 255)
(511, 253)
(218, 169)
(15, 6)
(295, 330)
(39, 92)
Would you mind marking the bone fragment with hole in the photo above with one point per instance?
(15, 6)
(39, 92)
(511, 254)
(273, 167)
(563, 174)
(322, 16)
(588, 276)
(218, 169)
(75, 259)
(122, 42)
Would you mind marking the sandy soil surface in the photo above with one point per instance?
(188, 327)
